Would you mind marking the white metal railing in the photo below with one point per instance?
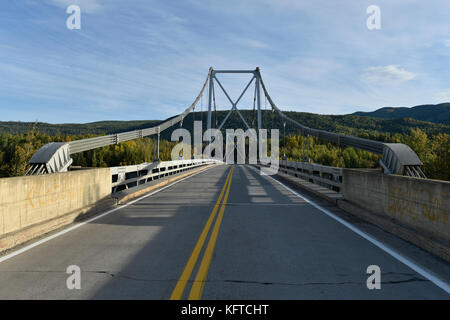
(132, 176)
(326, 176)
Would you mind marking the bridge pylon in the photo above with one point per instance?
(211, 95)
(396, 157)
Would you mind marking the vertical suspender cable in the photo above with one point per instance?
(159, 134)
(154, 156)
(193, 126)
(303, 147)
(307, 137)
(215, 109)
(201, 108)
(254, 107)
(284, 134)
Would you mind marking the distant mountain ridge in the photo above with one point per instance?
(96, 128)
(347, 124)
(438, 113)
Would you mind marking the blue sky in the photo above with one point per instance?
(145, 59)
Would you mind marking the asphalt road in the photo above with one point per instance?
(260, 241)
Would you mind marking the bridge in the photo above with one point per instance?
(202, 227)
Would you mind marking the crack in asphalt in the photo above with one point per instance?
(265, 283)
(412, 279)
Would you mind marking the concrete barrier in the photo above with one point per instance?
(33, 205)
(422, 205)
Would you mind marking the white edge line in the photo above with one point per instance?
(53, 236)
(426, 274)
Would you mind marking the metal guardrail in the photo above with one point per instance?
(126, 177)
(325, 176)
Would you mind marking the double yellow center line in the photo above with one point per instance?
(199, 281)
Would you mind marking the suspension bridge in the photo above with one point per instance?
(203, 228)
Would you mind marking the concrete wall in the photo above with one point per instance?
(421, 204)
(33, 205)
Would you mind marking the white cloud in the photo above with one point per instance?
(88, 6)
(155, 61)
(252, 43)
(7, 46)
(175, 19)
(443, 96)
(390, 73)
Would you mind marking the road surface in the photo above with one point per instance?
(259, 241)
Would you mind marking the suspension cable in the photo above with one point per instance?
(340, 139)
(77, 146)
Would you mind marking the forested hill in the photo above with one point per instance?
(100, 127)
(438, 113)
(19, 141)
(347, 124)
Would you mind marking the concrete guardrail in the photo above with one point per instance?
(422, 205)
(33, 205)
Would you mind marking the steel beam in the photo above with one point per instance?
(235, 71)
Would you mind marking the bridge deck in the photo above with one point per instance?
(271, 244)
